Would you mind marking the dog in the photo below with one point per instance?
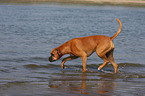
(84, 46)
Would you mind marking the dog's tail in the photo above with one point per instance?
(119, 30)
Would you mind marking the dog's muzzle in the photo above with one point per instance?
(50, 59)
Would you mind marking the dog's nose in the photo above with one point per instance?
(50, 59)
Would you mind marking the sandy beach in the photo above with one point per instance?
(139, 3)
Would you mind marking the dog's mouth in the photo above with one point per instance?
(50, 59)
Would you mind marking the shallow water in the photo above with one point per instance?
(28, 33)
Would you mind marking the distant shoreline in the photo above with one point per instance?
(133, 3)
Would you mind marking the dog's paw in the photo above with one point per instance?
(99, 69)
(62, 66)
(84, 70)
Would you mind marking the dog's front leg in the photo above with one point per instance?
(84, 61)
(66, 59)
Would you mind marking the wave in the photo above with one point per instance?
(13, 59)
(126, 70)
(24, 59)
(35, 66)
(131, 65)
(45, 59)
(39, 58)
(92, 66)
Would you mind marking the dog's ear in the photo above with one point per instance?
(59, 52)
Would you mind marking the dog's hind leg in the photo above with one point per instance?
(102, 54)
(106, 61)
(108, 57)
(111, 59)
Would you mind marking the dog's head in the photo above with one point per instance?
(55, 55)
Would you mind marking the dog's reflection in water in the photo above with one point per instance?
(82, 84)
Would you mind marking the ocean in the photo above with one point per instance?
(28, 33)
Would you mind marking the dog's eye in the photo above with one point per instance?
(52, 54)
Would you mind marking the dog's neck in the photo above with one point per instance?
(64, 49)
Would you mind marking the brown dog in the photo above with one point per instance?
(84, 46)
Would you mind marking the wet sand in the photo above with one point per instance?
(135, 3)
